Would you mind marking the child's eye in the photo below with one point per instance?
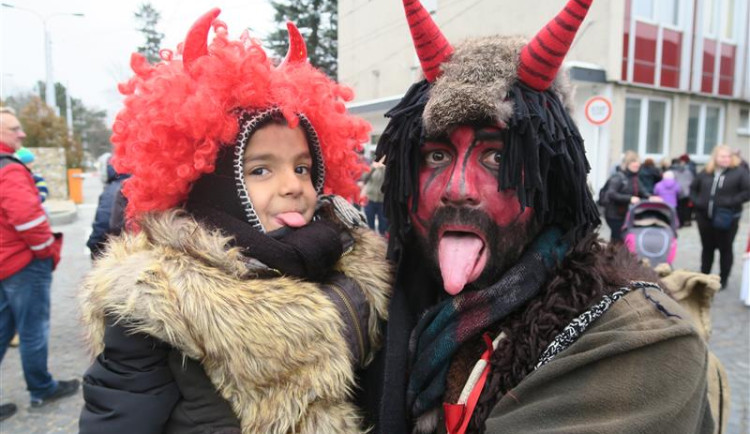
(302, 170)
(258, 171)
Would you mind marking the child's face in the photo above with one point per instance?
(278, 166)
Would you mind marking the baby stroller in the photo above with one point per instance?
(650, 231)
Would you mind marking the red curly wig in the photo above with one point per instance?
(179, 112)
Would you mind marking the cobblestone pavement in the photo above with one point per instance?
(68, 357)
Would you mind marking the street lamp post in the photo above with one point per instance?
(50, 82)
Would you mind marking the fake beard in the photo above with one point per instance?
(477, 253)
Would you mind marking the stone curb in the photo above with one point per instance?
(61, 212)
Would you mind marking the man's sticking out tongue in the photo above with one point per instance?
(462, 258)
(291, 219)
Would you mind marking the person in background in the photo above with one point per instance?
(624, 189)
(668, 189)
(29, 252)
(373, 191)
(649, 175)
(685, 158)
(27, 158)
(684, 177)
(718, 193)
(101, 226)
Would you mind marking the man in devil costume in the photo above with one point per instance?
(509, 314)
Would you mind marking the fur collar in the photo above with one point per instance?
(273, 347)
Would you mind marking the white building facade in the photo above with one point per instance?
(677, 72)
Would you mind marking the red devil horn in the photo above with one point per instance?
(432, 47)
(297, 52)
(543, 55)
(196, 41)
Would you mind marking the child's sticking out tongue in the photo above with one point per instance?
(462, 258)
(291, 219)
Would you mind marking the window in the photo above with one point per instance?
(646, 126)
(709, 17)
(729, 11)
(659, 11)
(704, 129)
(711, 133)
(692, 137)
(719, 18)
(657, 113)
(668, 12)
(632, 124)
(744, 122)
(643, 8)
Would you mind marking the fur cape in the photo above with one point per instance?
(272, 347)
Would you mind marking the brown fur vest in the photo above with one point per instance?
(272, 347)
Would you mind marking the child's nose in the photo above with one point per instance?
(291, 184)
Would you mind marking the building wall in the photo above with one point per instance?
(376, 55)
(380, 62)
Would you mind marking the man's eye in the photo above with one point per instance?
(492, 159)
(437, 158)
(302, 170)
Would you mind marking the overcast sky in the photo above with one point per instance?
(90, 55)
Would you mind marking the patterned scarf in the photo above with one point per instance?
(449, 324)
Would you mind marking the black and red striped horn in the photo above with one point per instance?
(543, 55)
(196, 41)
(432, 47)
(297, 51)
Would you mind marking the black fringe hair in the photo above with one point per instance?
(544, 160)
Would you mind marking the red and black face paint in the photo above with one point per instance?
(542, 166)
(461, 172)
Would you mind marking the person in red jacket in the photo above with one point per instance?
(29, 251)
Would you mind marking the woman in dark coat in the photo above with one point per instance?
(649, 175)
(625, 188)
(718, 194)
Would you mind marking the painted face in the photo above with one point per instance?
(468, 228)
(277, 165)
(11, 132)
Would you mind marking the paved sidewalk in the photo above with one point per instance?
(68, 357)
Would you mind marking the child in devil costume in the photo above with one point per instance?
(243, 300)
(508, 314)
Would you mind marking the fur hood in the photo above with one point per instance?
(475, 82)
(272, 347)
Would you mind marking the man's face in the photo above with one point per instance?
(11, 132)
(470, 231)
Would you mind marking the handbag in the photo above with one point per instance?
(722, 218)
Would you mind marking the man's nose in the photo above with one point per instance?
(21, 134)
(460, 189)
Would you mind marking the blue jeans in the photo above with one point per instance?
(25, 306)
(373, 210)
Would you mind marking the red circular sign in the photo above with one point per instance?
(598, 110)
